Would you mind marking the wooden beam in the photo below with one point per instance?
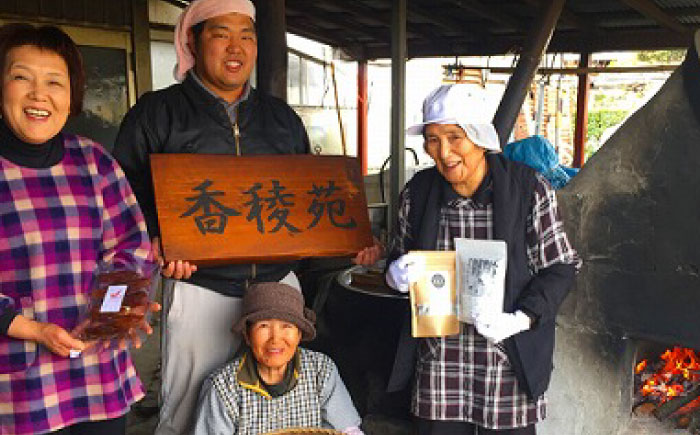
(272, 47)
(344, 20)
(435, 18)
(398, 107)
(568, 42)
(538, 39)
(577, 71)
(141, 43)
(571, 18)
(649, 9)
(444, 21)
(370, 15)
(489, 13)
(306, 28)
(611, 40)
(344, 23)
(581, 127)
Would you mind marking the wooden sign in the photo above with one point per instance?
(221, 209)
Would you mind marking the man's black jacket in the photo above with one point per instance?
(185, 118)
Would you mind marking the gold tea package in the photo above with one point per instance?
(481, 277)
(432, 287)
(119, 300)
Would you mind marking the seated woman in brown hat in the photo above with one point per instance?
(275, 384)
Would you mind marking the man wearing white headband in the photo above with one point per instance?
(491, 377)
(214, 110)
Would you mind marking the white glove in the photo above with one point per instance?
(354, 430)
(496, 327)
(404, 270)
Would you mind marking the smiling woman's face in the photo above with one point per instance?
(456, 157)
(35, 93)
(273, 342)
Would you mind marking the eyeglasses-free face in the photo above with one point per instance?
(457, 158)
(35, 93)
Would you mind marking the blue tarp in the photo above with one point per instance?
(539, 154)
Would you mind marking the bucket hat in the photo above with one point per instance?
(275, 300)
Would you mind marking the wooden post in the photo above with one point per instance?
(272, 47)
(362, 114)
(398, 104)
(141, 45)
(537, 41)
(581, 128)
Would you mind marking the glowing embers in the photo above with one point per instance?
(670, 387)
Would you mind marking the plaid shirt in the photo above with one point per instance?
(56, 225)
(464, 377)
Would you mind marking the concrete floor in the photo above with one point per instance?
(143, 418)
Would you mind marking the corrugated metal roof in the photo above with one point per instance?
(362, 28)
(694, 20)
(665, 4)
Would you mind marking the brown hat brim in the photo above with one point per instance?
(308, 331)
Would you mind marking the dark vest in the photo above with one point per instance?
(530, 352)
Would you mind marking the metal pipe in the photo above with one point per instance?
(337, 111)
(539, 118)
(398, 104)
(579, 70)
(362, 106)
(537, 41)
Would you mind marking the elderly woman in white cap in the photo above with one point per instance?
(491, 377)
(275, 384)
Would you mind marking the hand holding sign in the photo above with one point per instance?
(174, 269)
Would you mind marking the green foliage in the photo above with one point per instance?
(662, 57)
(601, 120)
(598, 122)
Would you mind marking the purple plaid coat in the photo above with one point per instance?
(56, 225)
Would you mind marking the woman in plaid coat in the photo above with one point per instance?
(490, 378)
(65, 207)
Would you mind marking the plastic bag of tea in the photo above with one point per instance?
(432, 289)
(119, 300)
(481, 277)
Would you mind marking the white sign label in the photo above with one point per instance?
(112, 301)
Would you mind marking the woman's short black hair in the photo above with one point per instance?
(47, 38)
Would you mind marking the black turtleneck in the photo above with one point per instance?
(37, 156)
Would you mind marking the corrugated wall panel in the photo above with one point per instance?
(29, 8)
(75, 10)
(96, 12)
(52, 9)
(115, 13)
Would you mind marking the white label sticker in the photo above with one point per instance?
(112, 302)
(440, 293)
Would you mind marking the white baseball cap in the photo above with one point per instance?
(465, 106)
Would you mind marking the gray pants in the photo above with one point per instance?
(196, 340)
